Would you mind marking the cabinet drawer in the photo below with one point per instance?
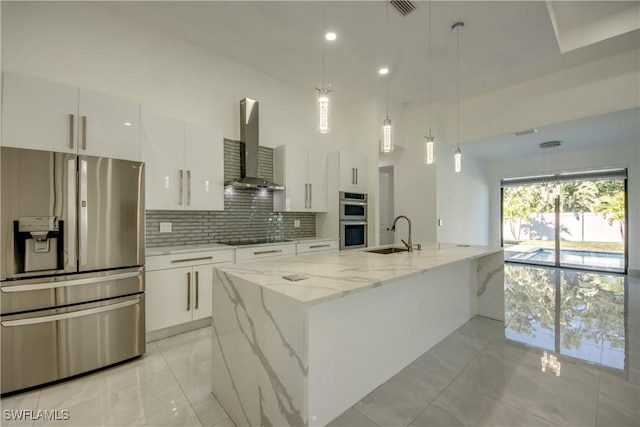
(268, 251)
(162, 262)
(329, 245)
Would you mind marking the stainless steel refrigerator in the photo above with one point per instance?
(71, 270)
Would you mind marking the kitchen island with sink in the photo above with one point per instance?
(299, 340)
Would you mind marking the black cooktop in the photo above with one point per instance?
(253, 242)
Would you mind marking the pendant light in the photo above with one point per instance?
(323, 93)
(457, 154)
(387, 137)
(551, 190)
(429, 157)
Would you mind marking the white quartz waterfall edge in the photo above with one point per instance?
(301, 353)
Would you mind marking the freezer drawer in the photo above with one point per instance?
(36, 294)
(49, 345)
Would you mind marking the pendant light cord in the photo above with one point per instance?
(324, 42)
(387, 58)
(458, 86)
(429, 70)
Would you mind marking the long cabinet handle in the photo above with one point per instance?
(197, 290)
(275, 251)
(356, 176)
(191, 259)
(188, 187)
(181, 187)
(319, 246)
(64, 316)
(67, 283)
(72, 120)
(84, 132)
(188, 291)
(353, 175)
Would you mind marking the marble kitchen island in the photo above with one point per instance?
(301, 352)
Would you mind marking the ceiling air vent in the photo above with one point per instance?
(404, 7)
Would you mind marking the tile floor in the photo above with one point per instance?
(486, 373)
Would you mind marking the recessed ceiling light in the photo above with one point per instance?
(331, 36)
(127, 124)
(383, 71)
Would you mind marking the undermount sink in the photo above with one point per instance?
(386, 251)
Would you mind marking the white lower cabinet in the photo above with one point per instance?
(265, 251)
(179, 287)
(318, 246)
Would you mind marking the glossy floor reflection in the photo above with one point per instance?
(169, 386)
(486, 373)
(568, 354)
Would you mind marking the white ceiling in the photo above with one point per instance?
(504, 42)
(620, 127)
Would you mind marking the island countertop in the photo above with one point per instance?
(337, 274)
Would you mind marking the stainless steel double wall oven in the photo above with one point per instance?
(71, 267)
(353, 220)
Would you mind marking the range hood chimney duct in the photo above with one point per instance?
(249, 136)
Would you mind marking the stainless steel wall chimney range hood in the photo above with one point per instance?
(249, 135)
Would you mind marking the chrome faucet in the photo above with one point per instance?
(409, 244)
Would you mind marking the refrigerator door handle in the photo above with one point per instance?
(70, 228)
(64, 316)
(83, 210)
(67, 283)
(181, 187)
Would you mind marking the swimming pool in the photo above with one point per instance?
(611, 260)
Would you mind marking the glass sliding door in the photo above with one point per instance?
(529, 225)
(575, 220)
(593, 224)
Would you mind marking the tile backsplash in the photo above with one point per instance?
(248, 214)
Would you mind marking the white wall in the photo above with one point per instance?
(425, 193)
(616, 156)
(415, 182)
(463, 200)
(606, 85)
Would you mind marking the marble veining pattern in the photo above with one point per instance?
(490, 285)
(258, 368)
(336, 275)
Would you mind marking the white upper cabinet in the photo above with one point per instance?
(184, 165)
(204, 165)
(353, 172)
(303, 172)
(109, 126)
(43, 115)
(38, 114)
(163, 154)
